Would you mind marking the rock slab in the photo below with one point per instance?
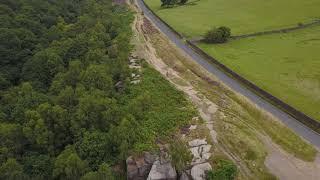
(198, 172)
(197, 142)
(162, 171)
(138, 168)
(184, 176)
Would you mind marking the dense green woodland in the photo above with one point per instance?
(61, 114)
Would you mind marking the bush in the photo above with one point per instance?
(223, 170)
(218, 35)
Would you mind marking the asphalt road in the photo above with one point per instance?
(289, 121)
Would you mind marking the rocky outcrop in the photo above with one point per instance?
(184, 176)
(150, 167)
(200, 153)
(197, 142)
(135, 63)
(139, 168)
(198, 172)
(159, 167)
(200, 150)
(162, 171)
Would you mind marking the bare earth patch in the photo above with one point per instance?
(285, 166)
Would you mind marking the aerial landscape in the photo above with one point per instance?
(159, 89)
(263, 59)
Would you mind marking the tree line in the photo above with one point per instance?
(61, 115)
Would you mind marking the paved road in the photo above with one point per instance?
(289, 121)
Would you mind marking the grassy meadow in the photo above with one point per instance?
(242, 16)
(287, 65)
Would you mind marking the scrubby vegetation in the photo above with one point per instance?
(180, 154)
(61, 114)
(223, 170)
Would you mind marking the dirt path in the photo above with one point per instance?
(280, 163)
(287, 167)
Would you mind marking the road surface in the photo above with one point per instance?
(289, 121)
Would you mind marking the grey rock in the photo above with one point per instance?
(198, 172)
(184, 176)
(144, 170)
(193, 127)
(139, 168)
(149, 158)
(197, 142)
(200, 153)
(162, 171)
(132, 172)
(135, 82)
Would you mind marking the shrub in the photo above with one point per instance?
(218, 35)
(223, 170)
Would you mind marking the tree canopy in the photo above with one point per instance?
(61, 113)
(59, 62)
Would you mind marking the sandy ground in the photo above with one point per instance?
(280, 163)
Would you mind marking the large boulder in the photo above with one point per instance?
(200, 151)
(162, 171)
(197, 142)
(198, 172)
(200, 154)
(138, 168)
(184, 176)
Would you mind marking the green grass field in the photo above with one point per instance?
(286, 65)
(242, 16)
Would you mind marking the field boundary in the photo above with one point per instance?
(262, 33)
(298, 115)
